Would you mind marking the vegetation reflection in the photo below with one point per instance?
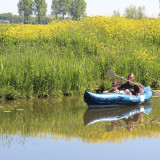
(64, 118)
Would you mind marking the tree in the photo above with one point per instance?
(11, 18)
(18, 19)
(159, 7)
(60, 7)
(116, 13)
(78, 8)
(40, 9)
(25, 9)
(68, 6)
(7, 16)
(141, 12)
(133, 12)
(55, 8)
(65, 6)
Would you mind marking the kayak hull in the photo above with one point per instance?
(116, 99)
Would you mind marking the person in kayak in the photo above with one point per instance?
(129, 87)
(114, 88)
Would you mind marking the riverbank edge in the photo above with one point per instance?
(59, 96)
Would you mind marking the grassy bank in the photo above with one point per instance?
(67, 57)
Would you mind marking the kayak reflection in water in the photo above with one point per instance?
(130, 122)
(117, 116)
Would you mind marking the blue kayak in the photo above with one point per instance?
(114, 99)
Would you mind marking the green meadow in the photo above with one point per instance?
(68, 57)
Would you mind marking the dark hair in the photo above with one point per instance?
(130, 75)
(114, 82)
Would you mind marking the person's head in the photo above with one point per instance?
(114, 85)
(131, 77)
(130, 126)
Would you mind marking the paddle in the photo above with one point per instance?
(112, 74)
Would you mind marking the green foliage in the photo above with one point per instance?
(10, 17)
(62, 8)
(40, 9)
(134, 12)
(20, 19)
(55, 8)
(75, 56)
(41, 74)
(25, 9)
(116, 13)
(74, 8)
(78, 8)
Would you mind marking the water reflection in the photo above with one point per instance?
(131, 115)
(37, 118)
(44, 128)
(65, 118)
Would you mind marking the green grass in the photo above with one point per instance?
(41, 69)
(68, 65)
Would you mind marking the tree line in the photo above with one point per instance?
(10, 18)
(60, 9)
(132, 12)
(75, 9)
(31, 11)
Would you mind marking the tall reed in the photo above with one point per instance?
(68, 57)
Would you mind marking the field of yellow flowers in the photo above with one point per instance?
(67, 57)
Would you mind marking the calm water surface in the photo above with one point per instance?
(65, 128)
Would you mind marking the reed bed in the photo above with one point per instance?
(68, 57)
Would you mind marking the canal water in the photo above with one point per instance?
(65, 128)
